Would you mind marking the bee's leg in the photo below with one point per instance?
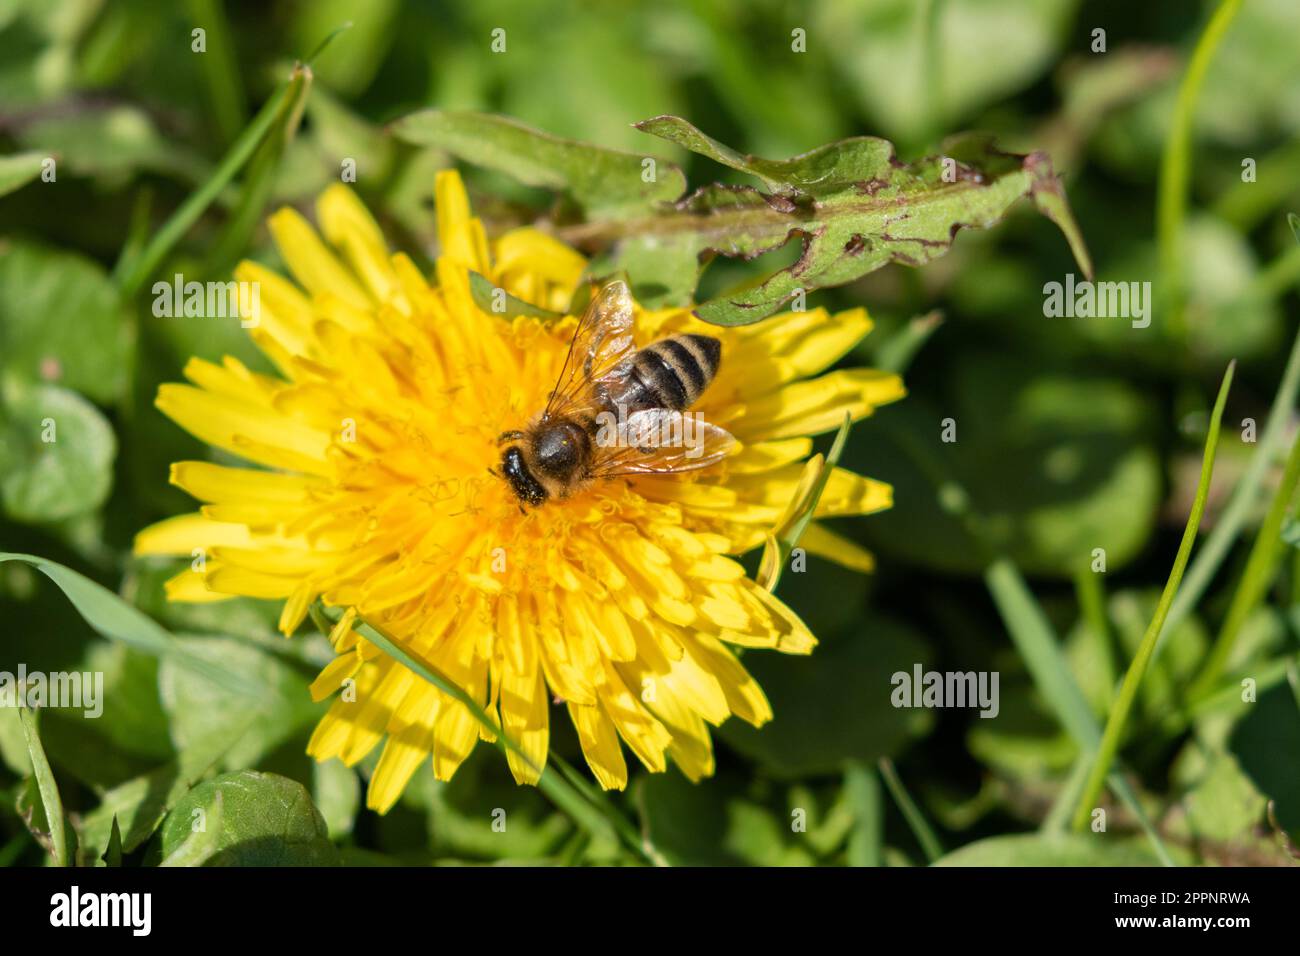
(513, 435)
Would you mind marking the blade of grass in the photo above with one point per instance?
(925, 836)
(485, 292)
(330, 37)
(1176, 161)
(601, 821)
(862, 788)
(49, 790)
(1261, 568)
(1137, 669)
(1241, 503)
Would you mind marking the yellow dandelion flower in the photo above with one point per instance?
(374, 496)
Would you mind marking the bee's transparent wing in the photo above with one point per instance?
(602, 340)
(658, 441)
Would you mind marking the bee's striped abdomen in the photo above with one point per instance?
(673, 372)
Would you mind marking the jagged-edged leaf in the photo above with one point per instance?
(604, 182)
(854, 207)
(823, 171)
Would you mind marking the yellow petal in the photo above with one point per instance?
(600, 745)
(818, 405)
(247, 583)
(460, 236)
(348, 225)
(745, 698)
(183, 533)
(243, 428)
(524, 707)
(825, 543)
(209, 482)
(402, 756)
(284, 315)
(644, 734)
(538, 268)
(191, 587)
(312, 264)
(847, 493)
(330, 680)
(818, 342)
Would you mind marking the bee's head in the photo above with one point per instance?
(514, 469)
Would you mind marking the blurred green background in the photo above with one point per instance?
(1073, 434)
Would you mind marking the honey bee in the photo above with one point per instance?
(612, 407)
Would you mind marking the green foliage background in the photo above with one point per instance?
(1073, 434)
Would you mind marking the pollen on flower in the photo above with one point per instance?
(629, 583)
